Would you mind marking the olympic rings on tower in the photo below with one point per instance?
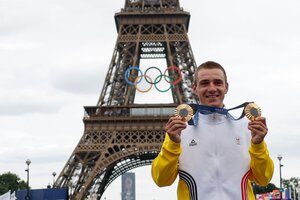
(180, 75)
(137, 78)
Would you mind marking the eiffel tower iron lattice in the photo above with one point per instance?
(119, 134)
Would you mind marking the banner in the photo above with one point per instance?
(13, 196)
(5, 196)
(128, 186)
(44, 194)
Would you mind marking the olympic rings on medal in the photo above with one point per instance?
(137, 78)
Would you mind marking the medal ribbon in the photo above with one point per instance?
(206, 110)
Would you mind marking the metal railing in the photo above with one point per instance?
(136, 110)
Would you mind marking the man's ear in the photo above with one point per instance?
(227, 87)
(194, 88)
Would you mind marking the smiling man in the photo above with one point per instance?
(219, 157)
(210, 84)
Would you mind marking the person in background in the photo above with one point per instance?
(218, 158)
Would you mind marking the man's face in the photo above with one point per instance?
(211, 87)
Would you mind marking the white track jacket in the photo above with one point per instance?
(215, 161)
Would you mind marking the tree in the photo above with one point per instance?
(257, 189)
(11, 181)
(291, 183)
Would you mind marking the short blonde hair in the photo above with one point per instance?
(209, 65)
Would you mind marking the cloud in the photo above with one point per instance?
(55, 56)
(82, 79)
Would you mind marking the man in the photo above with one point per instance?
(219, 157)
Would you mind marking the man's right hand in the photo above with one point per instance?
(174, 127)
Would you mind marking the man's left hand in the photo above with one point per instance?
(259, 130)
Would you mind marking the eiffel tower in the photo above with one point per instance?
(119, 134)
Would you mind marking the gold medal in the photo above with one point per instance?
(252, 111)
(184, 111)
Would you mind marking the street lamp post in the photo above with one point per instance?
(27, 197)
(280, 165)
(53, 174)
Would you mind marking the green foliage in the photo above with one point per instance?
(291, 183)
(11, 181)
(257, 189)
